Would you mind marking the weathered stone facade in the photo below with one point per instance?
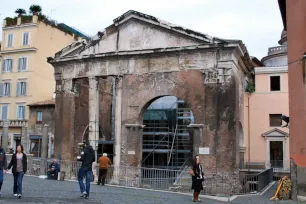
(149, 59)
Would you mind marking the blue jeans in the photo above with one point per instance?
(84, 172)
(18, 183)
(55, 174)
(1, 178)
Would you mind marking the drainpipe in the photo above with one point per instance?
(249, 138)
(113, 107)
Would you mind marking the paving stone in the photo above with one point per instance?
(38, 191)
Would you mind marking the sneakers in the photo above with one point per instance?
(19, 196)
(15, 194)
(84, 194)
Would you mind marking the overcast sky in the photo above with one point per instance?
(256, 22)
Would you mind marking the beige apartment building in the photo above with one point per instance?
(265, 138)
(26, 77)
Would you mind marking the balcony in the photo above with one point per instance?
(277, 50)
(14, 123)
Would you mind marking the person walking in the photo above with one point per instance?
(87, 158)
(19, 164)
(3, 165)
(104, 163)
(197, 179)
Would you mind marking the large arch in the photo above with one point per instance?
(139, 91)
(166, 139)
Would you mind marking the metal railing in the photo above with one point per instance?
(278, 166)
(162, 179)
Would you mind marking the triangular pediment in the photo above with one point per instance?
(134, 31)
(275, 133)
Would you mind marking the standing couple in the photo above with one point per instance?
(19, 164)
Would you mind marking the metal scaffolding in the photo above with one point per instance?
(166, 140)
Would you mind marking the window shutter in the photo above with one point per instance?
(1, 86)
(11, 65)
(25, 88)
(18, 88)
(4, 112)
(25, 63)
(9, 88)
(3, 65)
(19, 64)
(23, 111)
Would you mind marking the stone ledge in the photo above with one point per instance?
(196, 126)
(134, 126)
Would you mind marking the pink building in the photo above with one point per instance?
(266, 142)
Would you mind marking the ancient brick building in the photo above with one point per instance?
(146, 58)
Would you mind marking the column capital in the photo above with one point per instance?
(6, 123)
(134, 126)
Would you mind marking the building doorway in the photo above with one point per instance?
(276, 154)
(167, 143)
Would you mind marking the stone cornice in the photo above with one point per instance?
(30, 49)
(271, 70)
(20, 26)
(141, 52)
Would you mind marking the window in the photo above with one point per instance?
(5, 89)
(275, 120)
(39, 116)
(25, 38)
(21, 88)
(7, 65)
(4, 111)
(275, 83)
(10, 40)
(20, 112)
(22, 64)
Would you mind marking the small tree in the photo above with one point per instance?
(20, 12)
(35, 9)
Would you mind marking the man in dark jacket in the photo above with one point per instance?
(3, 166)
(87, 158)
(53, 170)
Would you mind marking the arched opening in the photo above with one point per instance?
(166, 139)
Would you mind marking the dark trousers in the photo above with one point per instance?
(102, 176)
(54, 173)
(17, 189)
(1, 178)
(84, 172)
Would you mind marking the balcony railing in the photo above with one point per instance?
(277, 50)
(14, 123)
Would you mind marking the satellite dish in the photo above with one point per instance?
(54, 95)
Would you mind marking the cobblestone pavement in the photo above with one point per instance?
(38, 191)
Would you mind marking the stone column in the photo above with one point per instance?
(5, 136)
(117, 146)
(134, 144)
(197, 138)
(134, 154)
(64, 121)
(44, 142)
(24, 138)
(94, 117)
(49, 146)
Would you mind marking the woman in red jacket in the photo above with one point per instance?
(19, 164)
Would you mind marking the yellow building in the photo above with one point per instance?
(26, 77)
